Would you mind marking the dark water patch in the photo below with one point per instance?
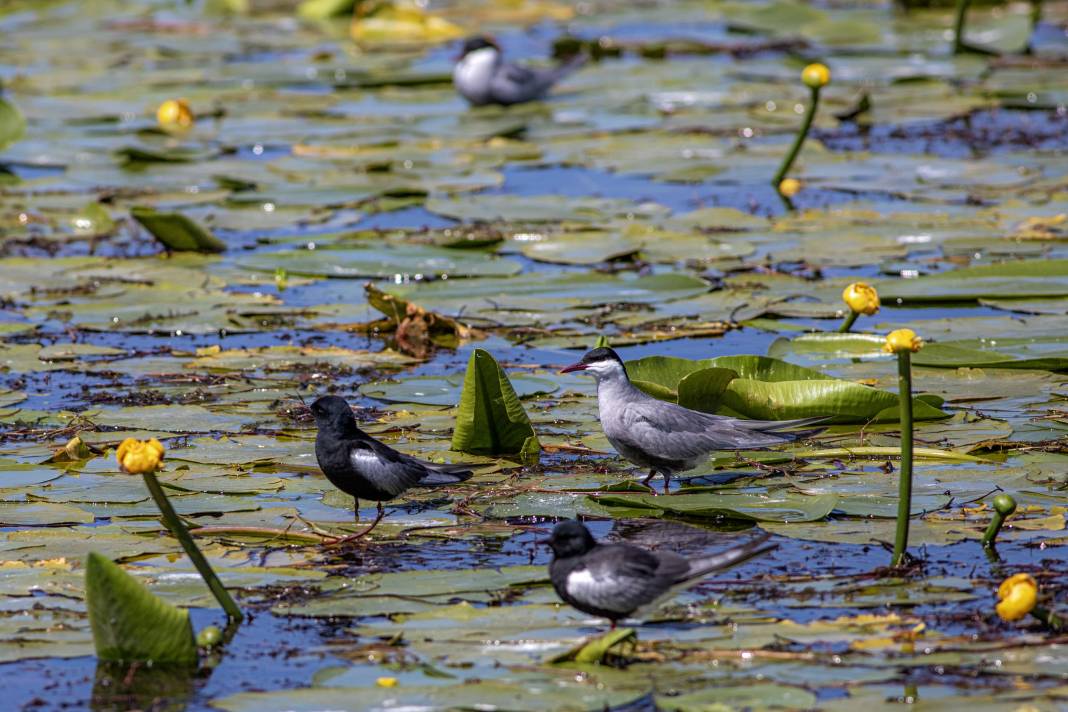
(980, 133)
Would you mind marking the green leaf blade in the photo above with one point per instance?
(131, 624)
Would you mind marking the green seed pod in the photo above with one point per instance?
(209, 637)
(1004, 504)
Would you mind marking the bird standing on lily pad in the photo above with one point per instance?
(483, 77)
(617, 581)
(666, 437)
(365, 468)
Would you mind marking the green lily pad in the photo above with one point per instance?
(416, 261)
(446, 390)
(176, 231)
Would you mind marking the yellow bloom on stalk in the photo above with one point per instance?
(902, 340)
(386, 682)
(816, 75)
(789, 187)
(861, 298)
(140, 456)
(1017, 596)
(174, 114)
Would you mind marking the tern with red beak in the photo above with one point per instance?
(666, 437)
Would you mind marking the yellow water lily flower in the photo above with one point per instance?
(401, 22)
(902, 340)
(861, 298)
(1017, 596)
(816, 75)
(386, 682)
(175, 114)
(789, 187)
(140, 456)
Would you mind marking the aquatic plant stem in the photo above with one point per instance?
(958, 26)
(904, 488)
(1049, 618)
(1004, 505)
(799, 140)
(848, 322)
(170, 518)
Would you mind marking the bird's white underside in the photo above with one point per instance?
(474, 72)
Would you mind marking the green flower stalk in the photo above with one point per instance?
(144, 458)
(815, 76)
(904, 343)
(1004, 505)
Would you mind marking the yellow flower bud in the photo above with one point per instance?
(174, 115)
(816, 75)
(861, 298)
(1017, 596)
(139, 456)
(902, 340)
(386, 682)
(789, 187)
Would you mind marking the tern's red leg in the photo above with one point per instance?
(365, 532)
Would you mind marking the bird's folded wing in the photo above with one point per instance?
(619, 580)
(671, 432)
(387, 469)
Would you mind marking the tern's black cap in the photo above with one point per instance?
(472, 44)
(601, 353)
(571, 538)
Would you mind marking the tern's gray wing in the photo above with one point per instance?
(623, 578)
(388, 470)
(514, 84)
(667, 431)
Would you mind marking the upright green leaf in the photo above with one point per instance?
(12, 124)
(177, 232)
(490, 419)
(129, 623)
(324, 9)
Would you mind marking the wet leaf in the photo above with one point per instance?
(129, 623)
(176, 231)
(12, 124)
(490, 420)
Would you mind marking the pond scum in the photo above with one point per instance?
(216, 211)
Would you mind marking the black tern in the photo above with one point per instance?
(615, 581)
(483, 77)
(666, 437)
(361, 466)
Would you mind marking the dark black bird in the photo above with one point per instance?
(615, 581)
(483, 77)
(359, 465)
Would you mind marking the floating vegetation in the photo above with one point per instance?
(214, 213)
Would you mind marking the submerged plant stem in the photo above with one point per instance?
(904, 489)
(170, 518)
(799, 140)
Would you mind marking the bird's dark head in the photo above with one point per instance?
(473, 44)
(570, 538)
(601, 362)
(334, 413)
